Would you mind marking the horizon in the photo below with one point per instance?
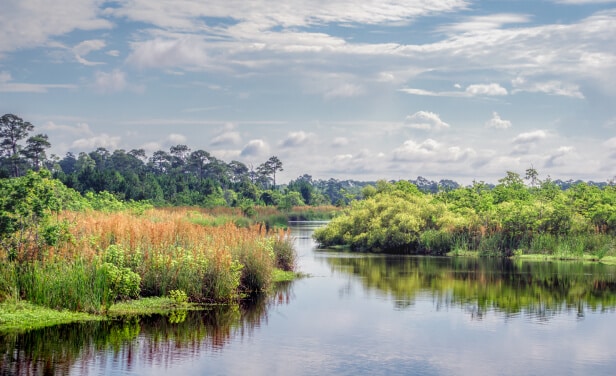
(396, 89)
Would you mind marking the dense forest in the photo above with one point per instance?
(178, 177)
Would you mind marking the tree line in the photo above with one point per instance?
(180, 176)
(184, 177)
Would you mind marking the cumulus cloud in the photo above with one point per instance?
(530, 137)
(255, 148)
(497, 122)
(226, 138)
(489, 89)
(425, 120)
(296, 139)
(111, 82)
(103, 141)
(176, 139)
(557, 157)
(430, 151)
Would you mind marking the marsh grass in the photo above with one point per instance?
(168, 249)
(18, 316)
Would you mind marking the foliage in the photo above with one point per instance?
(510, 217)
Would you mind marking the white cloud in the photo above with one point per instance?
(255, 148)
(557, 158)
(176, 139)
(226, 138)
(610, 143)
(489, 89)
(497, 122)
(114, 53)
(333, 85)
(425, 120)
(413, 151)
(261, 15)
(80, 128)
(103, 141)
(552, 87)
(486, 23)
(431, 151)
(296, 139)
(340, 142)
(84, 48)
(474, 90)
(344, 90)
(31, 23)
(530, 137)
(111, 82)
(179, 51)
(18, 87)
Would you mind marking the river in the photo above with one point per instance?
(360, 314)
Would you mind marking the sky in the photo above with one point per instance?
(346, 89)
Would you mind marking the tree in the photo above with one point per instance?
(198, 161)
(532, 176)
(179, 155)
(270, 167)
(12, 130)
(35, 150)
(160, 161)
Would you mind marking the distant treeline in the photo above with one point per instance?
(182, 176)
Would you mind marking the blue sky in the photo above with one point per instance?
(364, 90)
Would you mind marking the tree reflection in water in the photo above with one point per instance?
(132, 342)
(478, 285)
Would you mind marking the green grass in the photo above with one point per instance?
(279, 275)
(19, 316)
(148, 306)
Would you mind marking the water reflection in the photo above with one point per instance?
(129, 343)
(478, 285)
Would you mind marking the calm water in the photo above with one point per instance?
(361, 314)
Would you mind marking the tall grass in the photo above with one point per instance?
(76, 286)
(169, 249)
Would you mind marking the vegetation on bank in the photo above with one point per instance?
(509, 219)
(58, 251)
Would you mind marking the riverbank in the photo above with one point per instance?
(608, 260)
(21, 315)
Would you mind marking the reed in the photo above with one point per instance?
(162, 249)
